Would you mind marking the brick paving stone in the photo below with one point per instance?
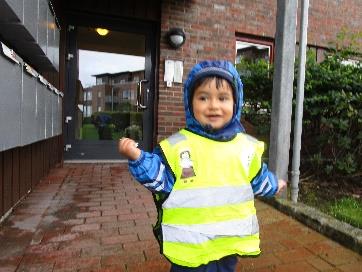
(78, 263)
(101, 219)
(149, 266)
(300, 266)
(118, 224)
(123, 259)
(319, 264)
(118, 211)
(88, 214)
(95, 217)
(86, 227)
(36, 267)
(102, 250)
(293, 255)
(120, 239)
(351, 267)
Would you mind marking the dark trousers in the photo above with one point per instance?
(226, 264)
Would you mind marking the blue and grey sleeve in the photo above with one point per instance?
(265, 183)
(150, 170)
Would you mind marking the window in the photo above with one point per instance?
(251, 47)
(126, 94)
(87, 111)
(99, 81)
(99, 94)
(252, 51)
(87, 96)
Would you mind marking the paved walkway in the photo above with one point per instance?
(94, 217)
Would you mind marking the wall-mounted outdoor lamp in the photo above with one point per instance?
(176, 37)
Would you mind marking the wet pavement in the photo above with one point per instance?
(95, 217)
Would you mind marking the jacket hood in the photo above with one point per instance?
(223, 69)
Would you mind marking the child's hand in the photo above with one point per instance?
(281, 186)
(128, 148)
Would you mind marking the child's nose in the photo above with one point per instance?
(214, 103)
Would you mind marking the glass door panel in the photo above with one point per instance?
(111, 92)
(108, 97)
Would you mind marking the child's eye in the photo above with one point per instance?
(224, 98)
(202, 98)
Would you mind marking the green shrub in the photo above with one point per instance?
(121, 120)
(257, 78)
(332, 119)
(134, 132)
(136, 118)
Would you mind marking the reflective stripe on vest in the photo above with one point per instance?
(201, 233)
(205, 197)
(210, 211)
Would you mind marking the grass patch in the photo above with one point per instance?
(346, 209)
(332, 200)
(89, 132)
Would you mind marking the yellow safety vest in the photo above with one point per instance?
(210, 211)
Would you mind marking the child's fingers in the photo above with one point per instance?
(128, 148)
(125, 142)
(126, 145)
(281, 186)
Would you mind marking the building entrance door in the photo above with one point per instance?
(110, 89)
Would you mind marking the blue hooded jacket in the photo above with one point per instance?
(225, 70)
(149, 169)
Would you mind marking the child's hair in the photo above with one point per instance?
(219, 82)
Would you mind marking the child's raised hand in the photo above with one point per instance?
(281, 186)
(127, 147)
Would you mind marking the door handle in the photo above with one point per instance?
(140, 96)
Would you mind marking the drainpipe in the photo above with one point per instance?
(299, 101)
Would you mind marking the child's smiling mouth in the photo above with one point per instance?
(213, 117)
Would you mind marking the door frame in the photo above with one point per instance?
(150, 30)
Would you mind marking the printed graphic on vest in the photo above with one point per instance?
(186, 165)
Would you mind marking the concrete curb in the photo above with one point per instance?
(338, 231)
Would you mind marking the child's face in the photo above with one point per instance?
(212, 106)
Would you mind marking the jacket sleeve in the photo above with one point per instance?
(265, 183)
(150, 170)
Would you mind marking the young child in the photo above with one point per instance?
(204, 177)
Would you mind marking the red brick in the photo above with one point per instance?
(86, 227)
(101, 219)
(120, 239)
(78, 263)
(295, 267)
(119, 224)
(122, 259)
(142, 245)
(352, 267)
(293, 255)
(74, 221)
(319, 264)
(118, 211)
(151, 266)
(88, 214)
(133, 216)
(102, 250)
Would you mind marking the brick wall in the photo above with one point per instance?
(211, 25)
